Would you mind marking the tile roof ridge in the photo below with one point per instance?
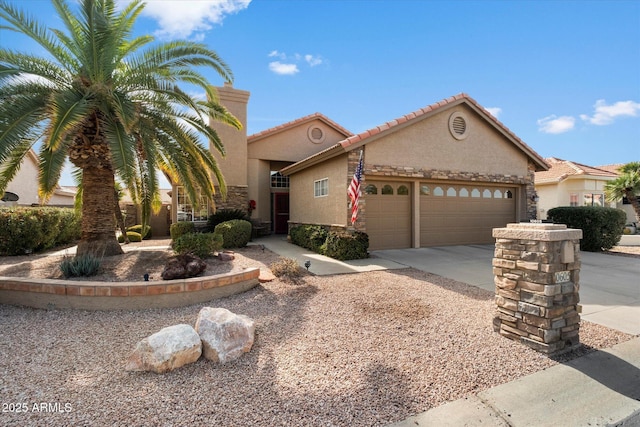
(308, 117)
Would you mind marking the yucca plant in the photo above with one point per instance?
(80, 266)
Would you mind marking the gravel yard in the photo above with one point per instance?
(363, 349)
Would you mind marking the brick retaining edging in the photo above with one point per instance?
(85, 295)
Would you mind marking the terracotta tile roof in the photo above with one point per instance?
(611, 168)
(430, 109)
(562, 169)
(390, 126)
(297, 122)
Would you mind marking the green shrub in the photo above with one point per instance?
(202, 245)
(132, 235)
(80, 266)
(177, 229)
(344, 245)
(138, 229)
(224, 215)
(309, 236)
(287, 268)
(601, 227)
(236, 233)
(26, 230)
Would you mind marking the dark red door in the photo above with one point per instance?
(281, 212)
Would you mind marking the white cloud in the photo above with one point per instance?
(605, 114)
(189, 18)
(495, 111)
(283, 69)
(288, 64)
(313, 60)
(554, 124)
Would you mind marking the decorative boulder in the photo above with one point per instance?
(183, 267)
(226, 256)
(225, 335)
(166, 350)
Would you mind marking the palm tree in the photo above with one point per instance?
(627, 184)
(110, 103)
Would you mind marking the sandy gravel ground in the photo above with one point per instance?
(347, 350)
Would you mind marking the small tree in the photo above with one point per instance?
(627, 184)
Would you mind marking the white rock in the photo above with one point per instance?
(225, 335)
(166, 350)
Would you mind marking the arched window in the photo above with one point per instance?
(508, 194)
(403, 190)
(425, 190)
(486, 194)
(497, 194)
(438, 191)
(463, 192)
(370, 189)
(451, 192)
(387, 189)
(475, 193)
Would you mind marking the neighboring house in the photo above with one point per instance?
(568, 183)
(23, 189)
(443, 175)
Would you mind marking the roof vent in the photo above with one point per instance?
(458, 126)
(316, 134)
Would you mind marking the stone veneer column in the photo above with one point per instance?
(536, 270)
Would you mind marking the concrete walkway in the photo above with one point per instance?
(599, 389)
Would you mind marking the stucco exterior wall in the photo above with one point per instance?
(24, 184)
(234, 164)
(326, 210)
(259, 188)
(558, 194)
(294, 144)
(429, 144)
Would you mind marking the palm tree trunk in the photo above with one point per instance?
(120, 219)
(635, 203)
(98, 235)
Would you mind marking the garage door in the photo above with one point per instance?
(454, 214)
(388, 210)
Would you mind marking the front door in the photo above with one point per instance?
(281, 213)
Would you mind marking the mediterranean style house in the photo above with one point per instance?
(23, 188)
(568, 183)
(446, 174)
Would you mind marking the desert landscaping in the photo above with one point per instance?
(357, 349)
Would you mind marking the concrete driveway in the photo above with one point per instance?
(609, 285)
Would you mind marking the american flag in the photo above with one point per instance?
(354, 190)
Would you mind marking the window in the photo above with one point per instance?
(497, 194)
(278, 180)
(370, 189)
(573, 199)
(387, 189)
(464, 192)
(593, 199)
(451, 192)
(475, 193)
(438, 191)
(187, 211)
(321, 187)
(508, 194)
(486, 194)
(424, 190)
(403, 190)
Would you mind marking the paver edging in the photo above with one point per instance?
(64, 294)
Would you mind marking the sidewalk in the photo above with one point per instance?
(599, 389)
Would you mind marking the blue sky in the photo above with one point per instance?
(562, 75)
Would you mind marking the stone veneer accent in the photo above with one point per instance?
(536, 270)
(53, 293)
(237, 198)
